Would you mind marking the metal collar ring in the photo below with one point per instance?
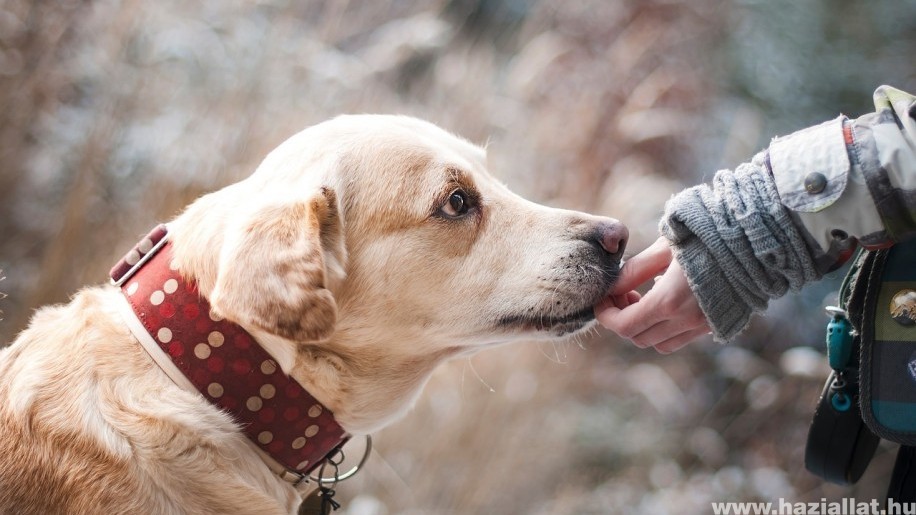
(348, 474)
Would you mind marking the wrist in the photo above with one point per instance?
(726, 312)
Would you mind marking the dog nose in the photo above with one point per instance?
(612, 235)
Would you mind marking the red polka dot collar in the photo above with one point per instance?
(222, 361)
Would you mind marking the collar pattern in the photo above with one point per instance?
(223, 361)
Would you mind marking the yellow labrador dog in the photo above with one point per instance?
(361, 254)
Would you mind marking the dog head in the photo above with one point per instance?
(388, 235)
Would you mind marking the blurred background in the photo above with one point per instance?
(115, 114)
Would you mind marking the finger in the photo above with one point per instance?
(662, 332)
(621, 301)
(618, 301)
(643, 266)
(655, 307)
(680, 341)
(630, 321)
(606, 303)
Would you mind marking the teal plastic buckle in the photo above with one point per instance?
(839, 339)
(839, 352)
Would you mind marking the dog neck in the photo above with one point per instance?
(200, 351)
(356, 372)
(366, 384)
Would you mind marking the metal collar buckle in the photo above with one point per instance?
(334, 459)
(142, 252)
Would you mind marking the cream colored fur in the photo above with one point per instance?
(339, 255)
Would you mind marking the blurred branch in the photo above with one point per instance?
(30, 83)
(89, 168)
(2, 295)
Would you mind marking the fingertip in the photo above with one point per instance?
(640, 345)
(605, 304)
(605, 315)
(643, 266)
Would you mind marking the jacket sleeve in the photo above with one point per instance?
(796, 210)
(849, 181)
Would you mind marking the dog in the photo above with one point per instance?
(363, 252)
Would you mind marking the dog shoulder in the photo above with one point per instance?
(85, 414)
(44, 408)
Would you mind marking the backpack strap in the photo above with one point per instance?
(903, 480)
(839, 445)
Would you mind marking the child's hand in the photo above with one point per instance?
(667, 317)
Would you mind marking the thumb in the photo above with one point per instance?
(643, 267)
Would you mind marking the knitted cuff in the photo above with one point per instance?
(739, 247)
(727, 313)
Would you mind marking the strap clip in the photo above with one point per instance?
(839, 339)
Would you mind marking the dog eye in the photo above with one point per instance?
(457, 204)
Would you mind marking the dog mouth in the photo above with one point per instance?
(558, 325)
(569, 308)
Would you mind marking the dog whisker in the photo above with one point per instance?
(556, 357)
(470, 362)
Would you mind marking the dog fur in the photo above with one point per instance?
(345, 256)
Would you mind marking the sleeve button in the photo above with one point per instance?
(815, 183)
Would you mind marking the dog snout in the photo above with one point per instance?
(612, 236)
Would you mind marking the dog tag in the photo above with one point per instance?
(319, 502)
(313, 504)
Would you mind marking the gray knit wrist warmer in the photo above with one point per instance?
(737, 244)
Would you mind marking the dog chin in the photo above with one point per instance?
(552, 324)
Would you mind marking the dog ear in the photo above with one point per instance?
(274, 270)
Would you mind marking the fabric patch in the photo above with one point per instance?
(816, 150)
